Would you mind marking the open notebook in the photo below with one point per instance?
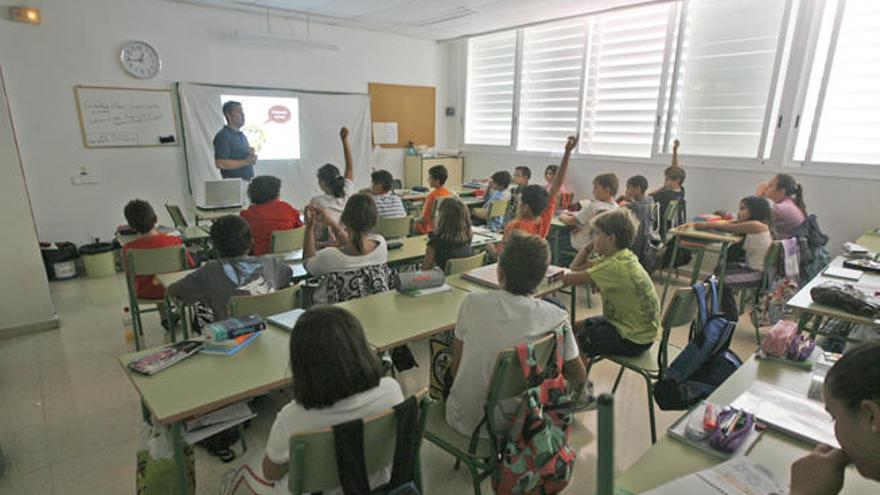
(738, 476)
(488, 275)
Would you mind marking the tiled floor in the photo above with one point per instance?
(69, 419)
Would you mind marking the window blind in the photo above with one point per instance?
(724, 77)
(623, 79)
(849, 122)
(550, 84)
(491, 71)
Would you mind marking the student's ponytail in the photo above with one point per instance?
(799, 198)
(337, 186)
(329, 175)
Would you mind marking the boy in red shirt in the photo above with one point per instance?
(537, 204)
(141, 217)
(267, 213)
(437, 176)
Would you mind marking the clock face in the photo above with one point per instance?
(140, 59)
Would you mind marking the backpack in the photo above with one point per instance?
(814, 255)
(706, 360)
(534, 455)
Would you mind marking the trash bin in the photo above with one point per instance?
(98, 259)
(59, 259)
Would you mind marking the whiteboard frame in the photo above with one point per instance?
(177, 137)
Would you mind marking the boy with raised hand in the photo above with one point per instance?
(491, 321)
(537, 204)
(630, 319)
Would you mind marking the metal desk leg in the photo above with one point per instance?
(179, 460)
(671, 267)
(698, 263)
(723, 263)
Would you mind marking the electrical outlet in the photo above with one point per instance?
(80, 180)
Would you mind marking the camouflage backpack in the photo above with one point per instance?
(535, 455)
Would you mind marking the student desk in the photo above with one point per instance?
(870, 240)
(211, 215)
(669, 459)
(802, 302)
(701, 241)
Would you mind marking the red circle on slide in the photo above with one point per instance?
(279, 114)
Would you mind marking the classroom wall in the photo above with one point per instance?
(25, 303)
(845, 206)
(79, 43)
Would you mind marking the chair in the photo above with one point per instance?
(394, 227)
(264, 305)
(605, 464)
(497, 209)
(461, 265)
(145, 262)
(284, 241)
(312, 465)
(480, 455)
(652, 363)
(670, 218)
(176, 216)
(771, 264)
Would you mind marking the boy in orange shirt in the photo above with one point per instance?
(537, 204)
(437, 176)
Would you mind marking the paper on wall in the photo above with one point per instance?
(385, 132)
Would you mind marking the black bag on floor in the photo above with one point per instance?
(706, 360)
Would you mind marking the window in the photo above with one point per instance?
(624, 71)
(842, 113)
(725, 75)
(550, 84)
(490, 79)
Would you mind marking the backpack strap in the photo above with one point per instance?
(531, 370)
(350, 463)
(713, 287)
(406, 447)
(702, 311)
(559, 333)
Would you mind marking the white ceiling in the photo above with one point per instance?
(432, 19)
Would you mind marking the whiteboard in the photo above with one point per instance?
(119, 117)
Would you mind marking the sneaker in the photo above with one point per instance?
(586, 399)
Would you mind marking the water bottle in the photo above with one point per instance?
(127, 325)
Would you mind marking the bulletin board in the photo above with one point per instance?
(411, 107)
(119, 117)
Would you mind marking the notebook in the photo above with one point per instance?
(229, 347)
(165, 357)
(286, 320)
(844, 273)
(738, 476)
(488, 275)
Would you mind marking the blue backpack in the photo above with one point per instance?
(706, 360)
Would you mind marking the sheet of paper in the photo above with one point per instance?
(738, 476)
(385, 132)
(795, 415)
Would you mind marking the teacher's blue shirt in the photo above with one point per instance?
(230, 144)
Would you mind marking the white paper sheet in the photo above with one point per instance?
(385, 132)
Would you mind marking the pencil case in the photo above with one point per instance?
(727, 440)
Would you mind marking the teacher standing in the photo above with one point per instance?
(232, 154)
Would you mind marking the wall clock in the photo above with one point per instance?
(140, 59)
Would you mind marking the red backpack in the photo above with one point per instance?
(536, 457)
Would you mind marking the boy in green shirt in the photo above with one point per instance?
(630, 318)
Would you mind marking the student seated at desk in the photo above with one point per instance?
(642, 207)
(336, 187)
(437, 176)
(357, 247)
(234, 274)
(497, 191)
(672, 190)
(521, 176)
(336, 378)
(141, 217)
(387, 203)
(267, 213)
(630, 318)
(852, 397)
(538, 204)
(604, 189)
(789, 210)
(492, 321)
(452, 236)
(745, 263)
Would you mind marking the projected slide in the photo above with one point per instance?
(271, 125)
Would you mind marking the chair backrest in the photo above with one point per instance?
(176, 215)
(670, 217)
(396, 184)
(461, 265)
(264, 305)
(312, 465)
(284, 241)
(498, 208)
(394, 227)
(507, 380)
(681, 311)
(605, 464)
(155, 261)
